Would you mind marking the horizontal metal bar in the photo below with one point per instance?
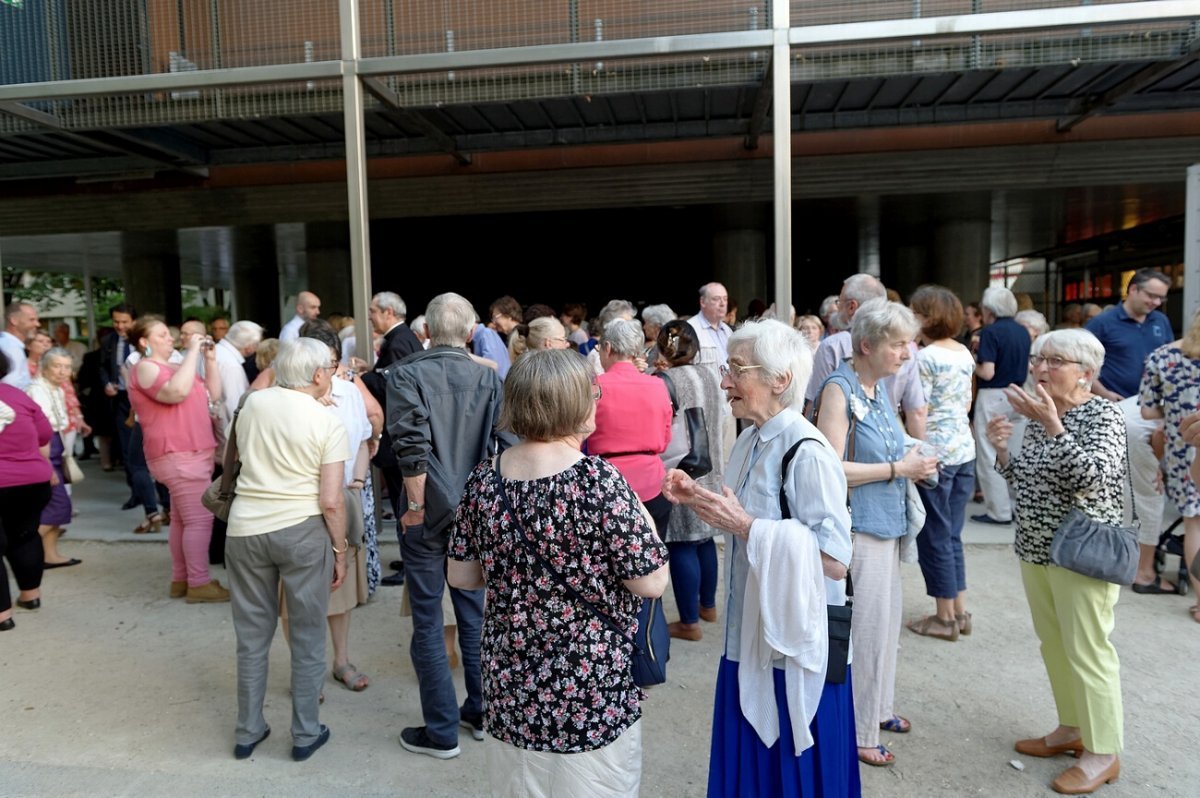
(31, 115)
(996, 22)
(171, 81)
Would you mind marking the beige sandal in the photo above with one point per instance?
(933, 626)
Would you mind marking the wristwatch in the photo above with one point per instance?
(416, 508)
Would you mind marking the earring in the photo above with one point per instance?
(1082, 382)
(147, 352)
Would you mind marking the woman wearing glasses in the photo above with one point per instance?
(1073, 455)
(857, 416)
(779, 728)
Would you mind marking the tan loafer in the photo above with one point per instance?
(179, 589)
(211, 593)
(1074, 781)
(1037, 747)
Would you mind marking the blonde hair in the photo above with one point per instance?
(533, 336)
(265, 355)
(547, 395)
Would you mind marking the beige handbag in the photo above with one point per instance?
(72, 473)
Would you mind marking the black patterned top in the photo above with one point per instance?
(556, 678)
(1084, 467)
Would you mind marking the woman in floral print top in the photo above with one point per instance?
(556, 678)
(1073, 455)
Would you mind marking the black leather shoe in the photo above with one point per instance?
(241, 751)
(395, 580)
(396, 565)
(303, 752)
(32, 604)
(7, 624)
(129, 505)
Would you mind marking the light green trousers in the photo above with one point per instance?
(1073, 617)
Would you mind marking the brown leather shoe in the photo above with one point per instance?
(685, 631)
(1037, 747)
(708, 614)
(964, 623)
(179, 589)
(1074, 781)
(207, 594)
(933, 626)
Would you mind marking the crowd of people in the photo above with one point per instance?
(550, 475)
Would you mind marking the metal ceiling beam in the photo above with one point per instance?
(1131, 85)
(444, 142)
(928, 28)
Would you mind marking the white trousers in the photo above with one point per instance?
(875, 632)
(989, 403)
(614, 771)
(1143, 472)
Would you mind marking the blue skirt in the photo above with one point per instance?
(740, 765)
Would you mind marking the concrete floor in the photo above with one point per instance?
(114, 689)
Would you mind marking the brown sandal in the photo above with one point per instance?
(933, 626)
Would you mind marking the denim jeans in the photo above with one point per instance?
(425, 574)
(939, 546)
(136, 471)
(693, 577)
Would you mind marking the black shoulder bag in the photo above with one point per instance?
(697, 462)
(651, 647)
(839, 616)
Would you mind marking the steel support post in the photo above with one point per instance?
(1191, 247)
(781, 115)
(356, 178)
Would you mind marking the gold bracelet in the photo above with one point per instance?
(344, 549)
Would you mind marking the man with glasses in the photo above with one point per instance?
(1130, 331)
(710, 324)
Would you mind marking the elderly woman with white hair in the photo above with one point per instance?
(288, 522)
(653, 319)
(858, 418)
(1073, 456)
(614, 309)
(782, 719)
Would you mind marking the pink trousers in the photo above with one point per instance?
(187, 475)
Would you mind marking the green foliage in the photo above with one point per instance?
(48, 290)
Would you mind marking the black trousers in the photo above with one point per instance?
(20, 509)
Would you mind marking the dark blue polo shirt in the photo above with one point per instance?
(1005, 343)
(1126, 345)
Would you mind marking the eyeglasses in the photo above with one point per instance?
(330, 367)
(597, 392)
(1152, 295)
(1054, 363)
(734, 370)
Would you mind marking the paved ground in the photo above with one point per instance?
(114, 689)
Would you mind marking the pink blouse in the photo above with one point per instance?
(20, 461)
(633, 426)
(166, 428)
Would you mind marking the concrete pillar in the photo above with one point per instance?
(256, 276)
(740, 255)
(867, 207)
(961, 245)
(327, 245)
(150, 271)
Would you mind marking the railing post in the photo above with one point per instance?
(356, 177)
(781, 114)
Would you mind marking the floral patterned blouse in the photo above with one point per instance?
(555, 677)
(1171, 382)
(1083, 467)
(946, 377)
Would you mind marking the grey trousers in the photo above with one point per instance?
(301, 556)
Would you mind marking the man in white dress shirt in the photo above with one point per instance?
(710, 324)
(308, 307)
(238, 344)
(20, 319)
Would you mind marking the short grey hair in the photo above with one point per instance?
(1032, 320)
(781, 351)
(1073, 344)
(419, 327)
(52, 353)
(298, 360)
(614, 309)
(1000, 302)
(389, 300)
(658, 315)
(625, 337)
(244, 333)
(450, 319)
(862, 288)
(879, 320)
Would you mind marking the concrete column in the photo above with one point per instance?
(256, 276)
(150, 271)
(961, 245)
(1191, 246)
(740, 255)
(327, 245)
(867, 207)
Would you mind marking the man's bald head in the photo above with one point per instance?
(308, 306)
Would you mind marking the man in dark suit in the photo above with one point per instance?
(114, 349)
(387, 314)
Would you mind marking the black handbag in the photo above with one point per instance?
(840, 616)
(1101, 551)
(652, 641)
(697, 462)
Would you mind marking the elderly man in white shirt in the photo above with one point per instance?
(710, 324)
(308, 307)
(238, 344)
(20, 319)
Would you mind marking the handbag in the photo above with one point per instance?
(218, 497)
(652, 642)
(71, 470)
(1102, 551)
(354, 517)
(1092, 548)
(839, 616)
(687, 429)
